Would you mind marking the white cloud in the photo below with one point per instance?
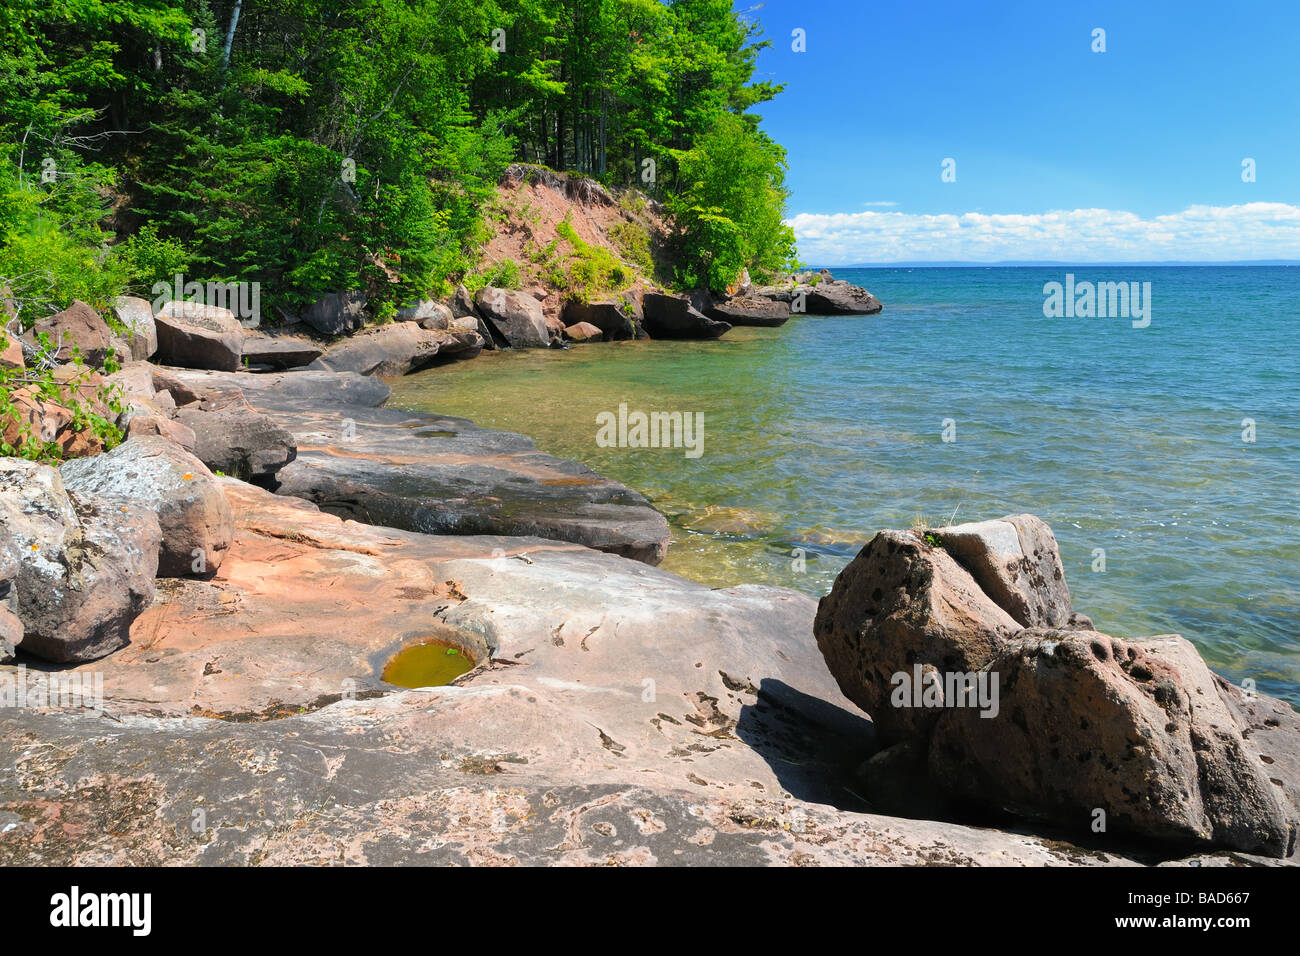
(1258, 230)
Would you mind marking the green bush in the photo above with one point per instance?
(41, 383)
(591, 271)
(633, 240)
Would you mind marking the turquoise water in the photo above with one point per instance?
(823, 431)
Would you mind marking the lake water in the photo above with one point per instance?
(817, 434)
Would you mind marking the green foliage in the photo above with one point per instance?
(504, 275)
(591, 271)
(77, 392)
(633, 241)
(730, 208)
(358, 143)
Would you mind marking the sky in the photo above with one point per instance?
(1059, 152)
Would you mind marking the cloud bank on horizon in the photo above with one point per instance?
(1257, 230)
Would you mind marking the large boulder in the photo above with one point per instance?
(608, 317)
(837, 297)
(234, 438)
(673, 317)
(902, 612)
(197, 526)
(78, 329)
(462, 303)
(396, 349)
(145, 426)
(338, 313)
(1140, 730)
(139, 329)
(1017, 562)
(279, 352)
(516, 316)
(751, 310)
(193, 335)
(428, 313)
(85, 566)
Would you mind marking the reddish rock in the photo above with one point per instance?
(11, 351)
(583, 332)
(193, 335)
(144, 426)
(78, 328)
(1140, 730)
(1018, 564)
(140, 333)
(903, 603)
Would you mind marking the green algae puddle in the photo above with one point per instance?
(427, 665)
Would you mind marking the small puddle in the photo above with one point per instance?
(431, 664)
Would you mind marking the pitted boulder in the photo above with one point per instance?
(196, 520)
(1017, 562)
(1141, 730)
(903, 603)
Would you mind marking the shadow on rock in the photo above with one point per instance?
(812, 746)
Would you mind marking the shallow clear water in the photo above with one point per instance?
(821, 432)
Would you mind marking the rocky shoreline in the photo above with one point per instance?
(238, 572)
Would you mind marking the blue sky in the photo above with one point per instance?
(1061, 153)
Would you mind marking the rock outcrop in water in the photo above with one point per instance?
(962, 645)
(437, 475)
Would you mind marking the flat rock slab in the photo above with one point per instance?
(619, 714)
(441, 475)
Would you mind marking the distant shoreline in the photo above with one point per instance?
(1063, 264)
